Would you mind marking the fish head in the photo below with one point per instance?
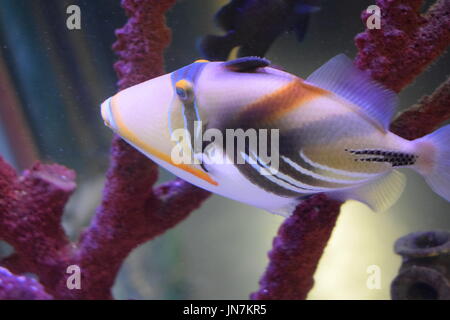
(139, 115)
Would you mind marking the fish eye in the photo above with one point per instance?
(184, 90)
(182, 93)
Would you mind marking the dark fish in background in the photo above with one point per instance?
(253, 25)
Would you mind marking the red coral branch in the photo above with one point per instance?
(394, 55)
(297, 249)
(31, 207)
(406, 43)
(131, 212)
(141, 42)
(426, 116)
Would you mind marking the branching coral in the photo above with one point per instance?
(134, 211)
(407, 42)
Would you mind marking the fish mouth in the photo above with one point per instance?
(107, 113)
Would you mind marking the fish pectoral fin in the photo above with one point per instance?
(379, 194)
(340, 76)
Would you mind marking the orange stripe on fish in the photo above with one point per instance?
(130, 136)
(276, 104)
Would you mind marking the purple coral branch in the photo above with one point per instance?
(14, 287)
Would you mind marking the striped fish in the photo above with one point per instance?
(328, 133)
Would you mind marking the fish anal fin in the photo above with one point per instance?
(288, 209)
(340, 76)
(379, 195)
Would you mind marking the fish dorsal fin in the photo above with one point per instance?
(341, 77)
(379, 194)
(246, 64)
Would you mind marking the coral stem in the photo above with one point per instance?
(297, 250)
(424, 117)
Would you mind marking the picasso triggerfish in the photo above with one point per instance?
(253, 133)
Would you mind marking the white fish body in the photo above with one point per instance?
(332, 127)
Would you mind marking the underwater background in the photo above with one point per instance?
(52, 81)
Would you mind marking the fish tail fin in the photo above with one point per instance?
(433, 160)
